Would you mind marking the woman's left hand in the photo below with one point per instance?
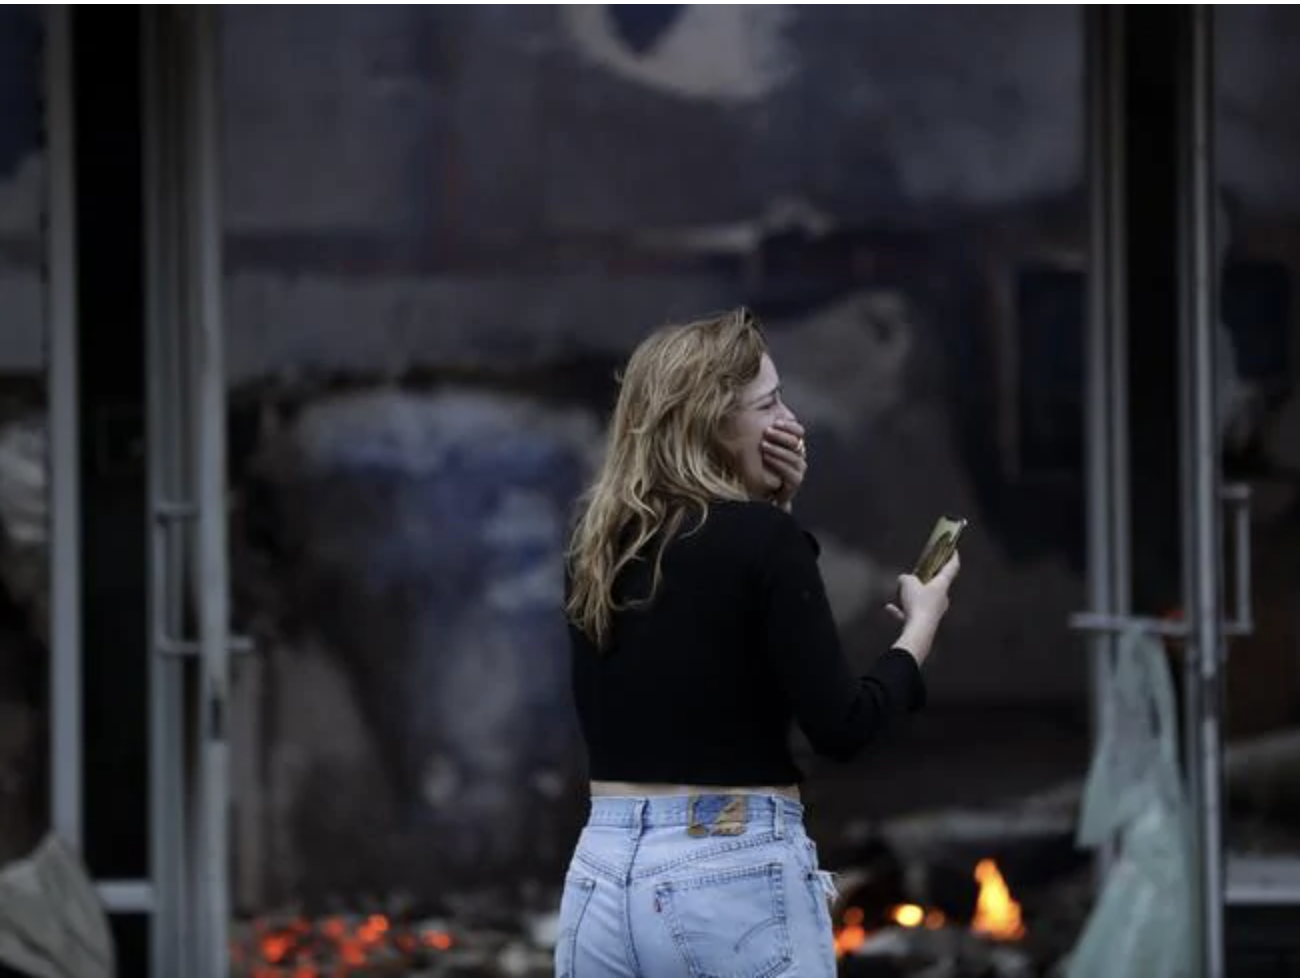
(786, 455)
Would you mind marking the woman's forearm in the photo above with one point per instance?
(917, 637)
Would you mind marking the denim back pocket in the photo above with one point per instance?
(729, 923)
(573, 905)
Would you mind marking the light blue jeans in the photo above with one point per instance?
(698, 886)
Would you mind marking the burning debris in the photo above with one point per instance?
(911, 938)
(299, 947)
(872, 938)
(375, 945)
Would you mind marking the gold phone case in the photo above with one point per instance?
(940, 547)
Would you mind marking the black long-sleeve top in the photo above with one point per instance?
(702, 685)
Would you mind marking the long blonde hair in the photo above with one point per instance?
(663, 457)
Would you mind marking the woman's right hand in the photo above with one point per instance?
(920, 607)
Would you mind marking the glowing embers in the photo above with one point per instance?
(336, 946)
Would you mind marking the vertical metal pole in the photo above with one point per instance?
(209, 447)
(1106, 351)
(64, 431)
(1096, 374)
(1201, 481)
(1115, 262)
(171, 935)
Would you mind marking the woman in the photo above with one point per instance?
(700, 631)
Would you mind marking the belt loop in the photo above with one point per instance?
(778, 818)
(638, 818)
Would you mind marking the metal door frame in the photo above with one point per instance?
(66, 762)
(1200, 460)
(186, 892)
(1108, 451)
(1218, 880)
(1106, 396)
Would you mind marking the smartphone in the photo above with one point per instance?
(940, 547)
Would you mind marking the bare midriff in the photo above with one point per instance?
(638, 789)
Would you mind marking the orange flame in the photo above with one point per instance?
(852, 935)
(911, 915)
(997, 914)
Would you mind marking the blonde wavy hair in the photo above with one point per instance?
(664, 457)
